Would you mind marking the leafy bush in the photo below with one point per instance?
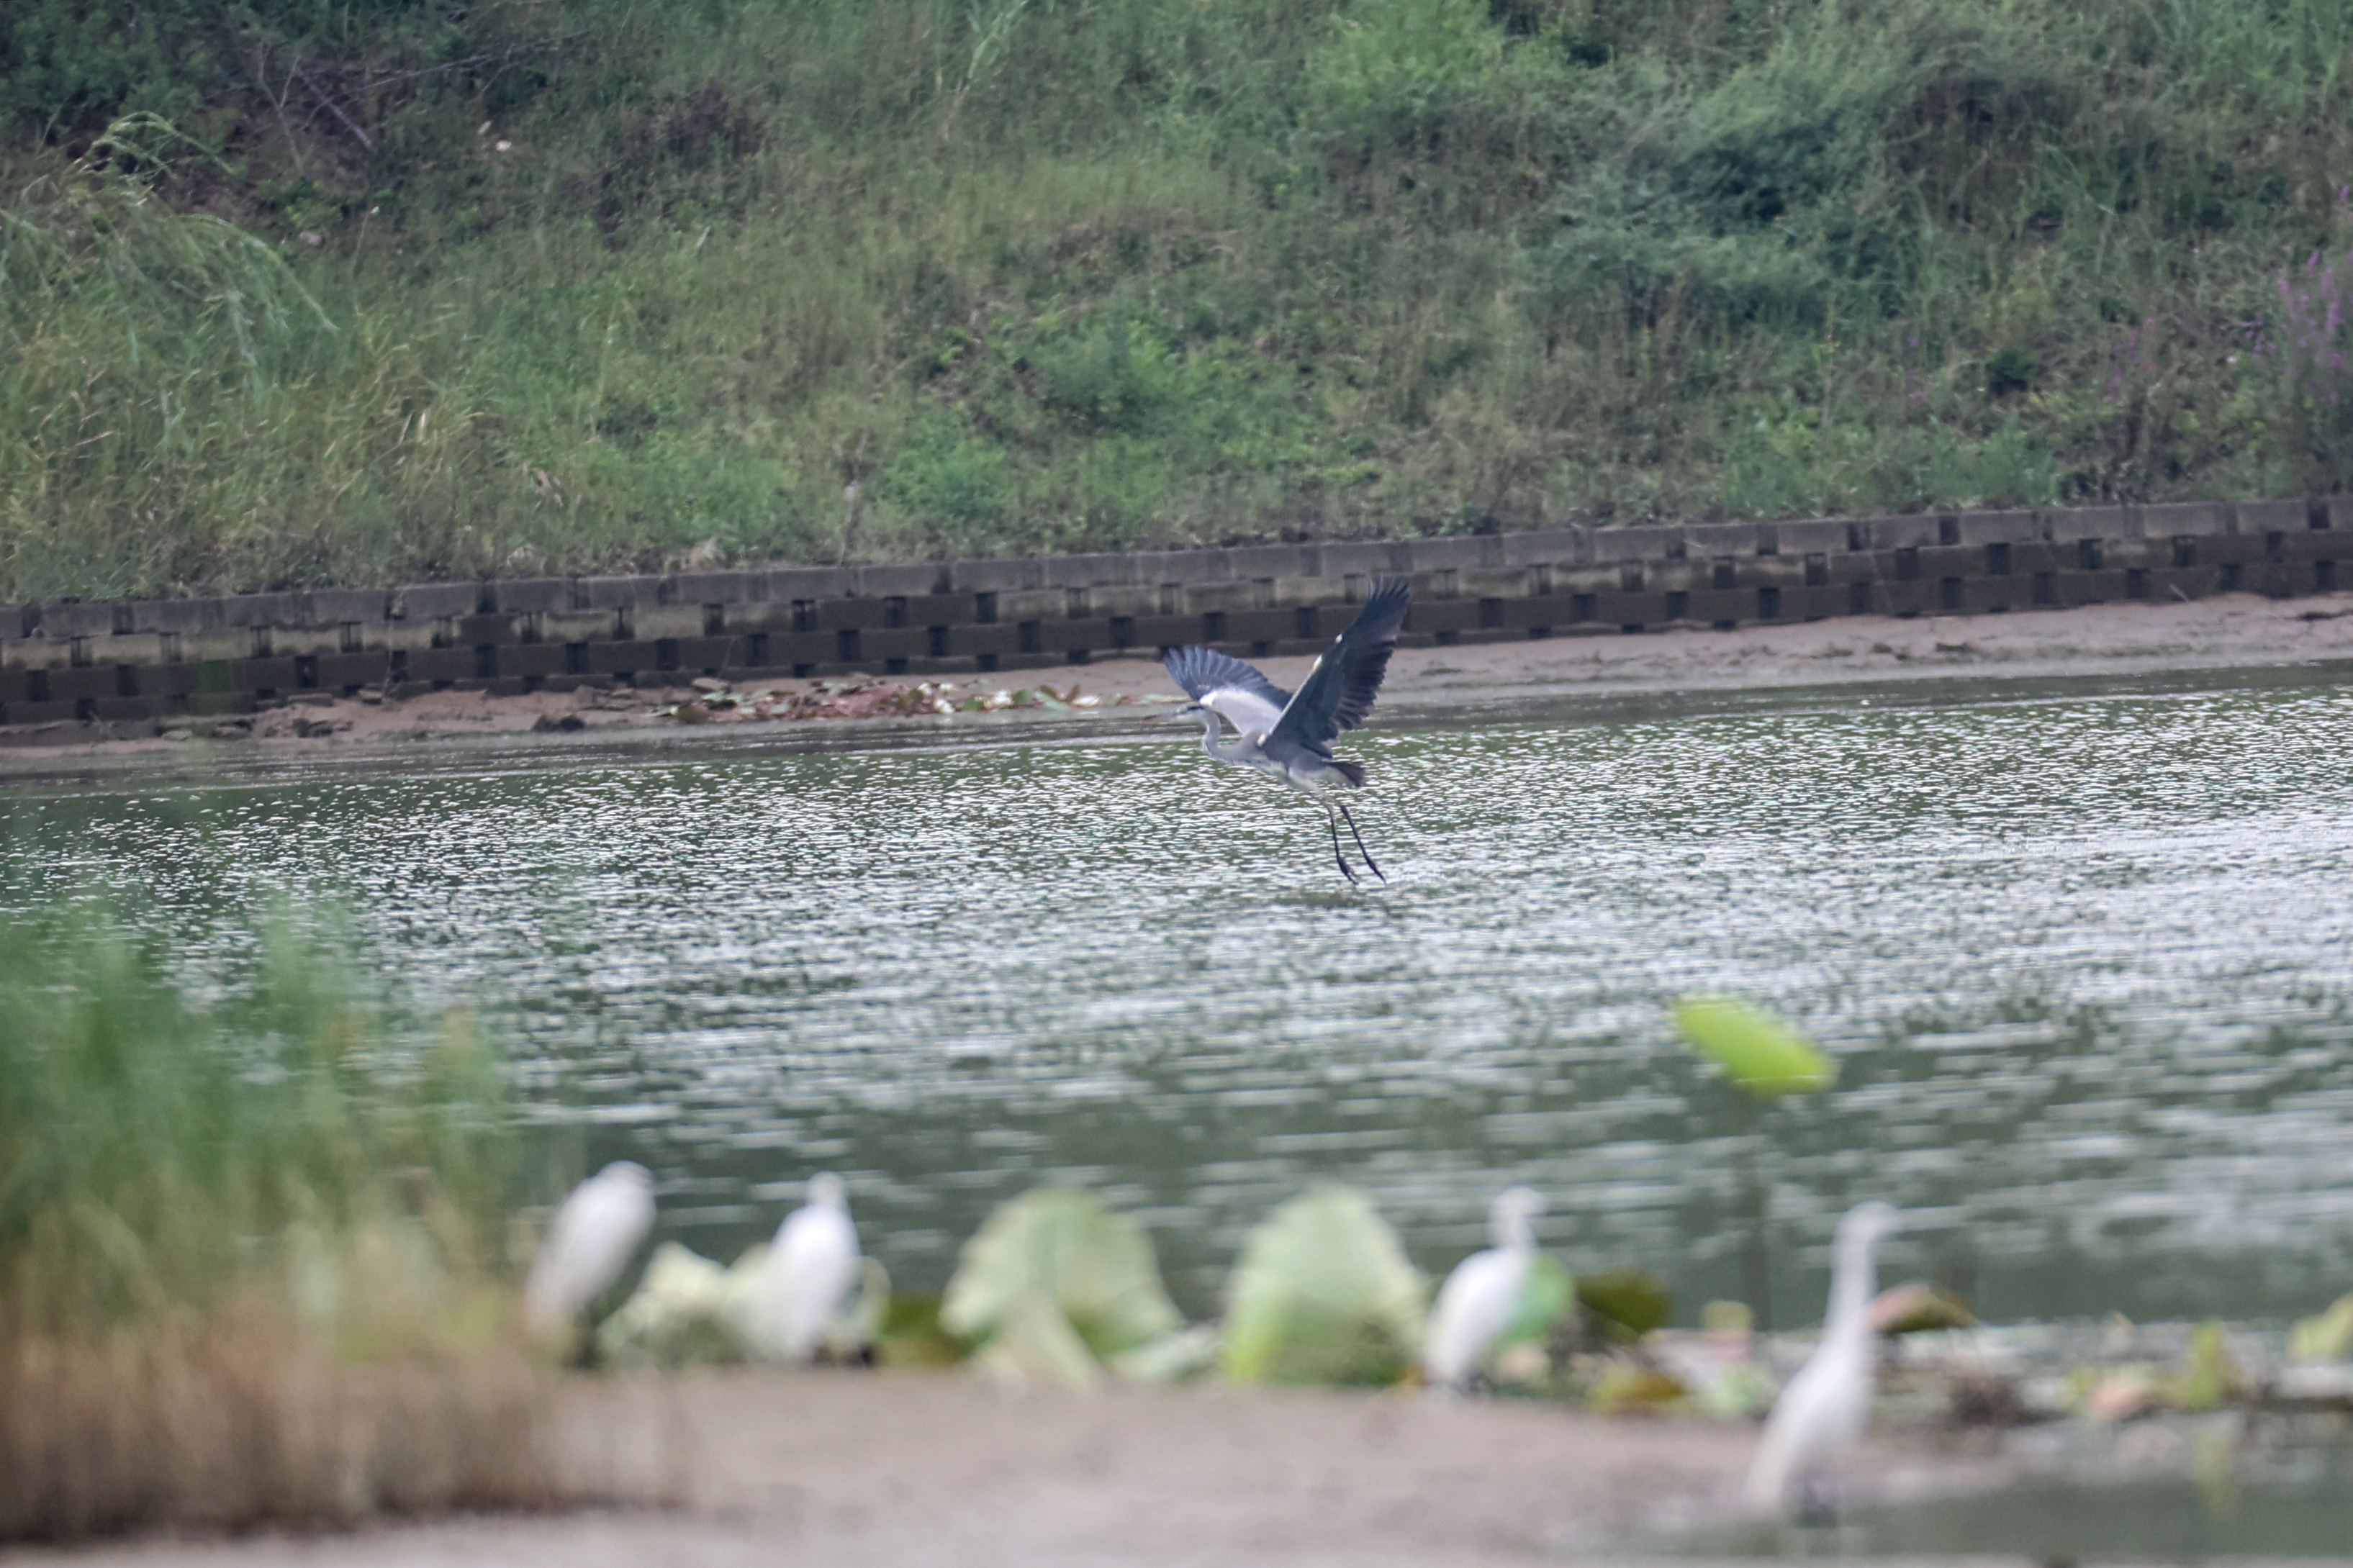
(66, 66)
(954, 484)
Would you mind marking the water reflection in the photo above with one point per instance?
(2082, 960)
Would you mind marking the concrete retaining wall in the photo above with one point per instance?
(155, 658)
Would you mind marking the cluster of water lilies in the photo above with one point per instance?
(864, 697)
(1057, 1287)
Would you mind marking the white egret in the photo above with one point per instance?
(812, 1265)
(1475, 1303)
(1825, 1407)
(588, 1242)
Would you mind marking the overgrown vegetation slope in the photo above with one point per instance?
(568, 284)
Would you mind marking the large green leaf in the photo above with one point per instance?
(1067, 1248)
(1762, 1053)
(1546, 1296)
(1034, 1342)
(686, 1312)
(2329, 1337)
(1323, 1294)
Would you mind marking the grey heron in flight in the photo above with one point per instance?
(1288, 737)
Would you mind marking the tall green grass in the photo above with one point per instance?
(252, 1237)
(156, 1149)
(1040, 275)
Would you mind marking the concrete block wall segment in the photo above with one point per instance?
(1547, 547)
(2065, 524)
(1453, 554)
(160, 655)
(1367, 560)
(77, 620)
(791, 584)
(430, 601)
(1641, 542)
(1980, 528)
(996, 576)
(2261, 517)
(893, 582)
(1253, 562)
(1715, 539)
(1907, 532)
(2178, 520)
(1813, 536)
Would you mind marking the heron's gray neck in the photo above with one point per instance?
(1213, 732)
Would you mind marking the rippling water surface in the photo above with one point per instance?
(2082, 961)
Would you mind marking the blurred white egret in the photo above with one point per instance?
(589, 1242)
(1825, 1407)
(1475, 1303)
(812, 1265)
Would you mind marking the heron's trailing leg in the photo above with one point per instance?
(1815, 1501)
(1337, 859)
(1360, 842)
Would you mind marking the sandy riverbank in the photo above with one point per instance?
(1566, 678)
(855, 1469)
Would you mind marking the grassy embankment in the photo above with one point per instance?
(252, 1250)
(566, 284)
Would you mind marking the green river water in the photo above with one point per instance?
(2082, 961)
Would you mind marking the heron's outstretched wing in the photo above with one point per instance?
(1338, 693)
(1226, 685)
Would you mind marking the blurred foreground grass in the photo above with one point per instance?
(251, 1246)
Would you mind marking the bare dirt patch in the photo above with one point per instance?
(854, 1470)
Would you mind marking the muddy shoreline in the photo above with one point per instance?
(724, 1467)
(1863, 660)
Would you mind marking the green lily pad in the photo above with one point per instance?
(1171, 1358)
(1324, 1294)
(680, 1315)
(2329, 1337)
(1034, 1342)
(1759, 1052)
(1094, 1267)
(911, 1335)
(1546, 1297)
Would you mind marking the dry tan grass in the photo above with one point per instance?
(240, 1420)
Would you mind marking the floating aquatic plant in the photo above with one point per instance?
(2329, 1337)
(1055, 1285)
(1324, 1293)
